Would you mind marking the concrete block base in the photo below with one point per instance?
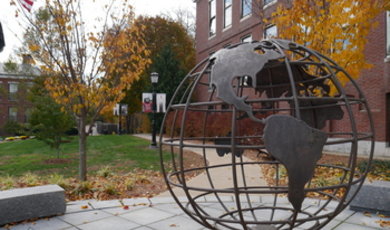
(373, 197)
(27, 203)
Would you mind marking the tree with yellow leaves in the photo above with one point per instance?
(337, 29)
(89, 66)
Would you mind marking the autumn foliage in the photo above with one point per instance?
(90, 65)
(337, 29)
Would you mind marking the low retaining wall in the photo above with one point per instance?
(364, 148)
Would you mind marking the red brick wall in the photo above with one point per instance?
(375, 82)
(21, 105)
(231, 35)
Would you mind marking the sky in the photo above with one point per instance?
(13, 30)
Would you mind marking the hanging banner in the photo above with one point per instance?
(147, 102)
(161, 102)
(124, 109)
(116, 110)
(122, 112)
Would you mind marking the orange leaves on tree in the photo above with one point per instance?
(88, 70)
(34, 47)
(337, 29)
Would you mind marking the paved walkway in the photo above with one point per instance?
(161, 212)
(221, 179)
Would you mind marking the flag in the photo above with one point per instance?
(27, 4)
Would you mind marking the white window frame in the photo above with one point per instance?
(267, 4)
(13, 117)
(247, 38)
(212, 18)
(12, 93)
(226, 9)
(247, 3)
(267, 28)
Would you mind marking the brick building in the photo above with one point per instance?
(14, 83)
(220, 23)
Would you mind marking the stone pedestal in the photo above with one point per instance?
(27, 203)
(372, 197)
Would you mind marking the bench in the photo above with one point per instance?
(33, 202)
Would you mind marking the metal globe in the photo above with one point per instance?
(262, 114)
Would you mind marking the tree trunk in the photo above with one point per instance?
(82, 149)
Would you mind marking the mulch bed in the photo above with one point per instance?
(111, 185)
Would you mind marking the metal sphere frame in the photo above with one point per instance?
(291, 83)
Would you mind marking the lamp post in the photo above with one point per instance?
(154, 80)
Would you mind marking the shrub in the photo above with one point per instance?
(6, 182)
(110, 189)
(83, 188)
(14, 128)
(58, 180)
(129, 184)
(72, 132)
(105, 172)
(30, 179)
(379, 168)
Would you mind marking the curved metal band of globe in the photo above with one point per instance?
(190, 75)
(354, 142)
(179, 173)
(286, 99)
(275, 189)
(360, 137)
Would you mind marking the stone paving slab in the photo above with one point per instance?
(163, 214)
(113, 222)
(347, 226)
(43, 224)
(84, 217)
(147, 216)
(369, 220)
(177, 222)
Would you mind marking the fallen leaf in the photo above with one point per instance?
(367, 214)
(84, 207)
(126, 207)
(383, 223)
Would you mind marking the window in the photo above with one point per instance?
(224, 107)
(228, 13)
(2, 93)
(27, 115)
(270, 32)
(246, 8)
(268, 2)
(212, 18)
(12, 113)
(247, 38)
(12, 91)
(388, 33)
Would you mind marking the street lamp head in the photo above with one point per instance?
(154, 77)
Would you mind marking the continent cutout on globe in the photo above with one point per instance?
(298, 147)
(238, 61)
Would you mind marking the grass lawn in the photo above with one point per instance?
(122, 153)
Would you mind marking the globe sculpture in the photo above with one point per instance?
(261, 114)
